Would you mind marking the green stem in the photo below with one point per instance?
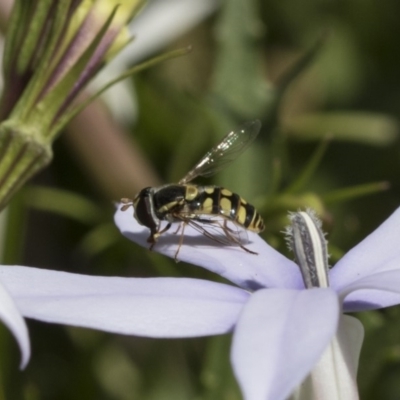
(21, 157)
(74, 110)
(351, 193)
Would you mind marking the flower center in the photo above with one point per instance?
(307, 241)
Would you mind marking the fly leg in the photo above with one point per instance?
(180, 240)
(228, 232)
(155, 235)
(179, 227)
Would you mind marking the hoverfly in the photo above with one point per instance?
(215, 212)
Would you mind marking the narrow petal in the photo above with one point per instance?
(279, 337)
(335, 375)
(163, 21)
(268, 268)
(380, 251)
(155, 27)
(372, 292)
(159, 307)
(12, 318)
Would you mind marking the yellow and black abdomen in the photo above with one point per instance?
(214, 200)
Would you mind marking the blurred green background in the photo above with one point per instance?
(323, 77)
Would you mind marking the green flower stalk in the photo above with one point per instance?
(52, 50)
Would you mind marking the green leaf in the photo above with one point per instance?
(45, 60)
(74, 110)
(238, 80)
(99, 239)
(14, 240)
(361, 127)
(31, 44)
(12, 46)
(217, 377)
(64, 203)
(46, 111)
(351, 193)
(310, 169)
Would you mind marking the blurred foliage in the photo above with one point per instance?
(310, 71)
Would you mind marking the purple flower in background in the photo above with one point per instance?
(288, 323)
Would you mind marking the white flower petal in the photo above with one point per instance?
(279, 337)
(159, 23)
(268, 268)
(159, 307)
(11, 317)
(380, 251)
(335, 375)
(371, 292)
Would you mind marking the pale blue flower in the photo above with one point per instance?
(12, 319)
(283, 332)
(159, 307)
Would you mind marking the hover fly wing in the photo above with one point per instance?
(217, 228)
(231, 146)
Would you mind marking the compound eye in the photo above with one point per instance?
(144, 210)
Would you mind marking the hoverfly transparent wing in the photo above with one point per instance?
(217, 228)
(231, 146)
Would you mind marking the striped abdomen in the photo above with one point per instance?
(214, 200)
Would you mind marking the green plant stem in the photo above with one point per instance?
(354, 192)
(21, 157)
